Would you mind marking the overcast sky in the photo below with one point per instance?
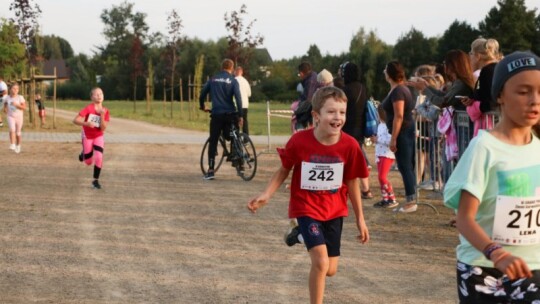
(288, 26)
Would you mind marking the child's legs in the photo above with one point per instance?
(12, 129)
(383, 167)
(18, 128)
(320, 264)
(88, 150)
(98, 146)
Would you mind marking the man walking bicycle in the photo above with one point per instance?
(222, 87)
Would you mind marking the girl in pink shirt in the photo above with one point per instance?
(94, 119)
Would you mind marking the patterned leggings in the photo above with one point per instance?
(93, 150)
(483, 285)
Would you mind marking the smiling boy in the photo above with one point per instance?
(326, 165)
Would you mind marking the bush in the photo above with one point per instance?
(72, 90)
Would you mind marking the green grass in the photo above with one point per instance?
(188, 116)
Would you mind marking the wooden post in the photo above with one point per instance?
(181, 96)
(32, 100)
(54, 100)
(147, 95)
(164, 95)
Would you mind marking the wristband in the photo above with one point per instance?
(490, 248)
(502, 256)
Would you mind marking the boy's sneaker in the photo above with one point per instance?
(96, 184)
(209, 175)
(12, 147)
(17, 149)
(291, 237)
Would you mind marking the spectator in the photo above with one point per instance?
(41, 109)
(245, 92)
(384, 158)
(309, 85)
(398, 106)
(356, 113)
(325, 78)
(484, 56)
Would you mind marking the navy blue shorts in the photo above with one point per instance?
(318, 233)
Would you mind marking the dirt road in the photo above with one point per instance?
(158, 233)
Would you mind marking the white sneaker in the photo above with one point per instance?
(427, 185)
(18, 149)
(12, 147)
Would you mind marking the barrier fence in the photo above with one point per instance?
(274, 113)
(438, 152)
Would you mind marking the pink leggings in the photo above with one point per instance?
(15, 123)
(383, 168)
(93, 150)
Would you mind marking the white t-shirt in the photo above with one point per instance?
(383, 140)
(11, 102)
(3, 86)
(493, 171)
(245, 91)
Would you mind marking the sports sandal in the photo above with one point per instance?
(367, 194)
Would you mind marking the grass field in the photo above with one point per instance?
(186, 115)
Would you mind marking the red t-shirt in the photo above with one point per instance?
(316, 166)
(89, 113)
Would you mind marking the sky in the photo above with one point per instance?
(289, 27)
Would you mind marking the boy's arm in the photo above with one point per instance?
(354, 194)
(277, 179)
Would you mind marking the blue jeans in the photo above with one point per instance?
(405, 159)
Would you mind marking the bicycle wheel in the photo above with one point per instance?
(221, 152)
(248, 157)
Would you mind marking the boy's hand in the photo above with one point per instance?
(363, 237)
(256, 203)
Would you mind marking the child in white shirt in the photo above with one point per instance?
(385, 159)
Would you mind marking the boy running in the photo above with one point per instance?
(326, 165)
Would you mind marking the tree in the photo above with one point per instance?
(413, 49)
(241, 41)
(459, 35)
(12, 51)
(122, 25)
(314, 57)
(174, 29)
(512, 25)
(26, 17)
(135, 62)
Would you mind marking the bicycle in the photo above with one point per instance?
(241, 154)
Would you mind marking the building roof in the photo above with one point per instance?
(62, 70)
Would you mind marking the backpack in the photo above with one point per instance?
(372, 118)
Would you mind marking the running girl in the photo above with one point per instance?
(495, 190)
(94, 119)
(14, 106)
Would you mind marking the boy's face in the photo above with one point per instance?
(331, 117)
(97, 96)
(520, 99)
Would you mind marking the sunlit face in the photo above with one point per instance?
(520, 99)
(14, 90)
(474, 60)
(97, 96)
(331, 117)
